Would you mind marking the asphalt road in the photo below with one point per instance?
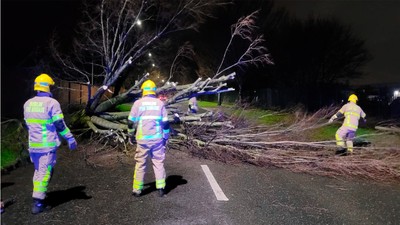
(81, 194)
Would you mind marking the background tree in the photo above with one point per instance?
(117, 34)
(120, 38)
(314, 57)
(213, 33)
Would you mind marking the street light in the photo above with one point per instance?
(396, 94)
(149, 54)
(153, 65)
(139, 23)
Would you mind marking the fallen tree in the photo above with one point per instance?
(285, 146)
(110, 126)
(113, 43)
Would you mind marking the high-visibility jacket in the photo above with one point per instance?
(151, 119)
(41, 113)
(352, 113)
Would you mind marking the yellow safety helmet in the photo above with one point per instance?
(43, 82)
(148, 88)
(353, 98)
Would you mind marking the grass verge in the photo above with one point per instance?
(13, 138)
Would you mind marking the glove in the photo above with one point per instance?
(132, 139)
(165, 141)
(332, 118)
(177, 119)
(72, 143)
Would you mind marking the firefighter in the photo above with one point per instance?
(193, 105)
(148, 126)
(44, 119)
(346, 133)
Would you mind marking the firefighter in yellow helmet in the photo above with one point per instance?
(148, 124)
(346, 133)
(44, 120)
(192, 106)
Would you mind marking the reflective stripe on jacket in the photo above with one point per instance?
(352, 113)
(149, 114)
(40, 113)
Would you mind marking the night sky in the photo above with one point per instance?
(375, 21)
(26, 27)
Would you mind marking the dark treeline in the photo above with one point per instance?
(314, 59)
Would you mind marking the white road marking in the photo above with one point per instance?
(214, 185)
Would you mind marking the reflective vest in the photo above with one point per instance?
(352, 113)
(149, 114)
(40, 113)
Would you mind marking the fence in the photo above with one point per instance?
(262, 97)
(72, 93)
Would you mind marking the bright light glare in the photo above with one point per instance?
(396, 93)
(138, 22)
(149, 54)
(153, 65)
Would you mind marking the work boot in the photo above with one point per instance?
(6, 203)
(39, 206)
(136, 193)
(161, 192)
(341, 152)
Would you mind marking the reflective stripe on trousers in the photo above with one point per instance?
(44, 163)
(344, 138)
(156, 152)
